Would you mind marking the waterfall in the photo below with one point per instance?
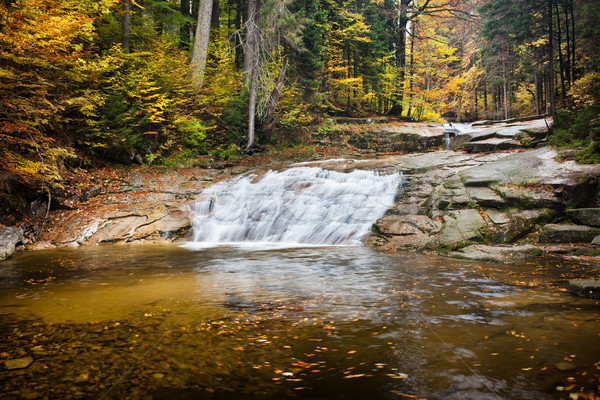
(297, 206)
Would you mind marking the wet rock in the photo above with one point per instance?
(497, 253)
(585, 216)
(497, 217)
(565, 366)
(460, 226)
(490, 145)
(18, 363)
(564, 233)
(9, 238)
(518, 223)
(585, 288)
(522, 196)
(485, 197)
(118, 229)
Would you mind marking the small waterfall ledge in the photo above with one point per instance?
(297, 206)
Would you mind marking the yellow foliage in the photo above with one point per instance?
(586, 90)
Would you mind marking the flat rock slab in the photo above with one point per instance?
(497, 253)
(493, 136)
(585, 288)
(586, 216)
(536, 166)
(485, 197)
(495, 144)
(564, 233)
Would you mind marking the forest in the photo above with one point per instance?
(169, 82)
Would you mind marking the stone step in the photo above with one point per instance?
(586, 216)
(568, 233)
(585, 288)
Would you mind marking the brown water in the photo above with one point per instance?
(165, 322)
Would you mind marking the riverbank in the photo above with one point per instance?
(486, 205)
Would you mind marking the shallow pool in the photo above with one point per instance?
(170, 322)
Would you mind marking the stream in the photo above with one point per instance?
(270, 322)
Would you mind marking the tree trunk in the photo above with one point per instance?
(573, 37)
(550, 87)
(215, 16)
(568, 68)
(536, 95)
(413, 38)
(201, 40)
(252, 108)
(251, 58)
(485, 100)
(125, 26)
(561, 60)
(275, 95)
(238, 26)
(403, 20)
(251, 43)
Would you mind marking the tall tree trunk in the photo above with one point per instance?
(561, 60)
(239, 51)
(275, 94)
(413, 38)
(550, 87)
(573, 36)
(475, 105)
(126, 26)
(485, 100)
(537, 94)
(216, 15)
(201, 40)
(568, 68)
(403, 20)
(251, 43)
(250, 74)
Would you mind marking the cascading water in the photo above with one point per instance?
(302, 205)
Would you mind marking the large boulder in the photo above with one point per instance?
(585, 288)
(585, 216)
(9, 238)
(460, 226)
(567, 233)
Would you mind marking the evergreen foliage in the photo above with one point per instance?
(68, 89)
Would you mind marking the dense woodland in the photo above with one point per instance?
(169, 81)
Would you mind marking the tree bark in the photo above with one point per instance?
(550, 87)
(568, 68)
(561, 63)
(216, 15)
(250, 45)
(250, 74)
(201, 40)
(276, 94)
(126, 26)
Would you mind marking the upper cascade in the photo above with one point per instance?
(301, 205)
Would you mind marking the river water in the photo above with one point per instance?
(186, 322)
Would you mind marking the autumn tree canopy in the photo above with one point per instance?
(166, 81)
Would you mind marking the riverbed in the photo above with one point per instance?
(187, 322)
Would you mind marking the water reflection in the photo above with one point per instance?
(344, 322)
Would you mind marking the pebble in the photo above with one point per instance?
(565, 366)
(18, 363)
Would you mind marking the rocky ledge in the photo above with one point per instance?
(498, 206)
(140, 204)
(493, 206)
